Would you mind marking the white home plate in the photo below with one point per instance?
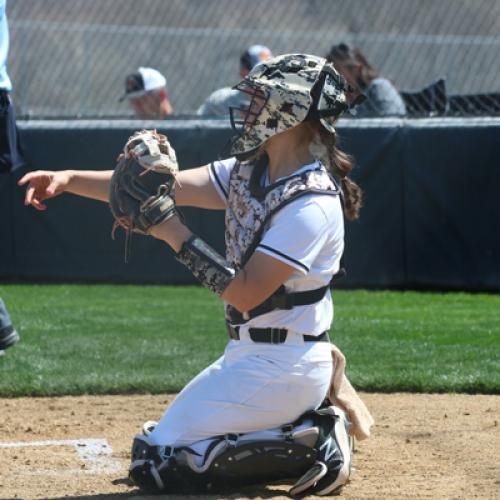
(95, 455)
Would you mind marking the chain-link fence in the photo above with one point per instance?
(69, 58)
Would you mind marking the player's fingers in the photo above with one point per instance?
(24, 179)
(38, 205)
(30, 193)
(31, 198)
(29, 176)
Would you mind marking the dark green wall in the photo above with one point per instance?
(430, 218)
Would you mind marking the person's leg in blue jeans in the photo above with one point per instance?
(8, 334)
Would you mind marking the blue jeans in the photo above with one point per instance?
(5, 322)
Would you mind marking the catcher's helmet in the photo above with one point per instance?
(285, 91)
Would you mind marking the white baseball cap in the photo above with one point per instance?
(142, 81)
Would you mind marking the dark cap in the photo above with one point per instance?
(254, 55)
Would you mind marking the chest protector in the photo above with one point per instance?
(251, 206)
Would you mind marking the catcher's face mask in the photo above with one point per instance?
(284, 92)
(244, 118)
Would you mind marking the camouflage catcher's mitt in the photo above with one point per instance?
(142, 186)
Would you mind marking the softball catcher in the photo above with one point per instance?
(260, 412)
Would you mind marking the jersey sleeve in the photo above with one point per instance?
(219, 172)
(297, 233)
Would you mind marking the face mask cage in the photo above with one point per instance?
(322, 107)
(243, 118)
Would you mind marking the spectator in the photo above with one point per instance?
(382, 97)
(219, 101)
(146, 90)
(10, 154)
(253, 56)
(10, 150)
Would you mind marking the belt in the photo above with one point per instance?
(272, 335)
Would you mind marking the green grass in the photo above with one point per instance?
(122, 339)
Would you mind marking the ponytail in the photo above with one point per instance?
(340, 165)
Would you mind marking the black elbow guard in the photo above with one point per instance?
(210, 268)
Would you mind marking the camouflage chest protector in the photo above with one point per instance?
(250, 208)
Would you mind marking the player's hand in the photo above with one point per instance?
(44, 185)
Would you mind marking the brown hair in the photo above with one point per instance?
(347, 55)
(340, 165)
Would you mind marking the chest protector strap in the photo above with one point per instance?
(278, 300)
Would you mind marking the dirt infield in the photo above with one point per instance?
(423, 446)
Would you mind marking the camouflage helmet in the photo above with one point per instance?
(286, 90)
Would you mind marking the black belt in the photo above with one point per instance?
(272, 335)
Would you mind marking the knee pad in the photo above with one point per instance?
(155, 469)
(258, 462)
(227, 464)
(313, 448)
(146, 464)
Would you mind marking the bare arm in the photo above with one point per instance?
(258, 280)
(45, 184)
(90, 184)
(193, 187)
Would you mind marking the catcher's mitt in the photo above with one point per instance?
(142, 186)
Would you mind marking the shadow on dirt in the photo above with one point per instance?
(250, 492)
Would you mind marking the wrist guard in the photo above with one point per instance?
(207, 266)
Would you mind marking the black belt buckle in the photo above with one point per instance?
(277, 335)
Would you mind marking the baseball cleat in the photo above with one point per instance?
(8, 337)
(336, 453)
(333, 466)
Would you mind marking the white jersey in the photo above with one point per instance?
(307, 234)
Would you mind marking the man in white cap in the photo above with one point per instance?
(146, 91)
(218, 102)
